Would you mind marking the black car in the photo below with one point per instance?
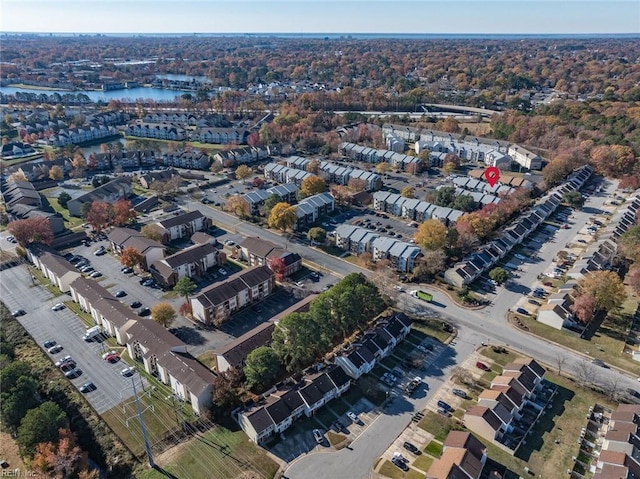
(400, 463)
(19, 312)
(126, 270)
(144, 312)
(120, 294)
(87, 387)
(410, 447)
(135, 304)
(49, 344)
(74, 373)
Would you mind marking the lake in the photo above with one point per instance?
(144, 93)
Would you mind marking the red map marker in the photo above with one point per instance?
(492, 174)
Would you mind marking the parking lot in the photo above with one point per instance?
(66, 329)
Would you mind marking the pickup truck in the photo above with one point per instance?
(416, 293)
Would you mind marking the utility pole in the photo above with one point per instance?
(143, 428)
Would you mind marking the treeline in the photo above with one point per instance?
(55, 429)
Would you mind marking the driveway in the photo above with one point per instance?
(66, 329)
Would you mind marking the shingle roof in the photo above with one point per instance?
(236, 351)
(182, 219)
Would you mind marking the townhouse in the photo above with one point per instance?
(247, 154)
(479, 185)
(618, 457)
(472, 267)
(183, 225)
(16, 149)
(221, 136)
(192, 160)
(55, 220)
(160, 131)
(21, 193)
(463, 457)
(277, 412)
(394, 156)
(217, 302)
(331, 172)
(401, 255)
(284, 174)
(190, 262)
(126, 160)
(259, 252)
(54, 267)
(163, 175)
(312, 208)
(361, 356)
(108, 193)
(160, 117)
(413, 209)
(354, 239)
(83, 134)
(121, 238)
(287, 192)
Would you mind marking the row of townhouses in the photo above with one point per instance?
(336, 173)
(312, 208)
(412, 208)
(238, 156)
(161, 353)
(505, 180)
(509, 408)
(83, 134)
(284, 174)
(126, 160)
(215, 303)
(469, 148)
(396, 159)
(190, 262)
(463, 457)
(259, 252)
(16, 149)
(277, 411)
(185, 119)
(478, 185)
(108, 193)
(472, 267)
(160, 131)
(22, 201)
(358, 240)
(617, 451)
(599, 255)
(221, 136)
(286, 192)
(108, 118)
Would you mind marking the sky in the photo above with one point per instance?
(322, 16)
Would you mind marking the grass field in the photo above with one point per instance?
(430, 327)
(71, 222)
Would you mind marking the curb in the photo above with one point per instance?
(448, 295)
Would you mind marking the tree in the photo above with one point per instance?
(184, 287)
(464, 203)
(79, 165)
(238, 206)
(283, 217)
(226, 390)
(383, 168)
(153, 232)
(40, 424)
(633, 278)
(573, 199)
(185, 309)
(629, 244)
(56, 173)
(62, 459)
(605, 287)
(17, 400)
(561, 360)
(317, 235)
(584, 372)
(99, 216)
(31, 230)
(451, 162)
(313, 167)
(123, 213)
(17, 176)
(243, 172)
(312, 185)
(278, 266)
(131, 257)
(431, 264)
(99, 180)
(164, 314)
(445, 196)
(431, 234)
(357, 185)
(270, 202)
(584, 307)
(261, 367)
(499, 275)
(63, 199)
(408, 192)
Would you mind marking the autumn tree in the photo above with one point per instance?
(312, 185)
(226, 391)
(237, 205)
(584, 307)
(40, 424)
(243, 172)
(555, 171)
(261, 367)
(313, 166)
(357, 185)
(430, 265)
(408, 192)
(62, 459)
(184, 287)
(606, 289)
(164, 314)
(79, 165)
(100, 215)
(383, 168)
(123, 213)
(153, 232)
(31, 230)
(451, 162)
(431, 234)
(283, 216)
(16, 176)
(633, 278)
(317, 235)
(629, 243)
(131, 257)
(56, 173)
(278, 266)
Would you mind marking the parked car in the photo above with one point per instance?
(57, 307)
(459, 393)
(135, 304)
(483, 366)
(73, 373)
(444, 412)
(126, 372)
(49, 343)
(222, 271)
(120, 294)
(55, 349)
(87, 387)
(18, 312)
(317, 435)
(444, 405)
(351, 415)
(400, 463)
(520, 256)
(60, 362)
(148, 282)
(230, 242)
(522, 311)
(599, 362)
(126, 270)
(410, 447)
(144, 312)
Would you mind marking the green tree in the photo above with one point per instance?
(270, 202)
(629, 244)
(184, 287)
(10, 374)
(261, 367)
(15, 402)
(63, 199)
(573, 199)
(294, 341)
(464, 203)
(317, 234)
(499, 275)
(445, 196)
(283, 216)
(40, 424)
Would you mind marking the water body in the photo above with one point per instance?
(131, 94)
(174, 76)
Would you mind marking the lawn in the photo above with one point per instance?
(434, 449)
(71, 222)
(500, 358)
(389, 469)
(436, 424)
(209, 360)
(86, 318)
(423, 462)
(216, 453)
(431, 327)
(335, 439)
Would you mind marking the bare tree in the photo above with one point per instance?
(584, 372)
(463, 376)
(612, 387)
(561, 360)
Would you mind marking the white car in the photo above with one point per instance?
(126, 372)
(222, 271)
(58, 307)
(520, 256)
(352, 416)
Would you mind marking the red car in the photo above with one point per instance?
(112, 358)
(482, 366)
